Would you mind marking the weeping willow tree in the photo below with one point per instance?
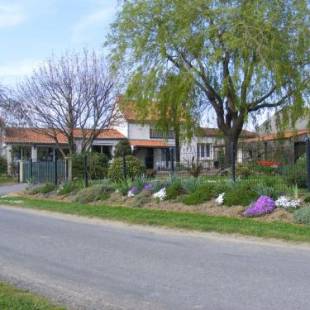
(171, 104)
(239, 57)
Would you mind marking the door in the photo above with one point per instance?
(149, 159)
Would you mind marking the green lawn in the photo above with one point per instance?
(171, 219)
(15, 299)
(5, 179)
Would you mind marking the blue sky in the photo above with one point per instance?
(31, 30)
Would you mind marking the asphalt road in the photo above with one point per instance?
(90, 265)
(12, 188)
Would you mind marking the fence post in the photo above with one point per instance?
(124, 166)
(172, 160)
(55, 168)
(30, 170)
(85, 171)
(308, 160)
(233, 161)
(21, 171)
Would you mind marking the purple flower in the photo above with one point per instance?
(134, 190)
(148, 187)
(263, 205)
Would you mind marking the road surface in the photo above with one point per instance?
(87, 264)
(12, 188)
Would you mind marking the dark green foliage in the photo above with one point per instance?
(122, 148)
(307, 199)
(43, 189)
(3, 165)
(174, 190)
(203, 193)
(97, 165)
(240, 193)
(134, 168)
(302, 216)
(297, 174)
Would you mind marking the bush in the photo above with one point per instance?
(174, 190)
(297, 174)
(69, 187)
(42, 189)
(240, 193)
(134, 168)
(122, 148)
(307, 199)
(94, 193)
(203, 193)
(97, 165)
(302, 216)
(3, 165)
(272, 186)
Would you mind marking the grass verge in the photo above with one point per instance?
(15, 299)
(191, 221)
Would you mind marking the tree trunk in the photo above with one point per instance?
(177, 148)
(231, 146)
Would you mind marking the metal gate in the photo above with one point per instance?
(43, 171)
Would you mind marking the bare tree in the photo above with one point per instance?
(69, 96)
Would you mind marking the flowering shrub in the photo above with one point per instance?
(269, 163)
(133, 191)
(161, 194)
(263, 205)
(285, 202)
(148, 187)
(220, 199)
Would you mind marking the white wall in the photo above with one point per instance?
(138, 131)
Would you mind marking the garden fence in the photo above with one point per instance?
(43, 171)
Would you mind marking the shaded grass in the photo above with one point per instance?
(191, 221)
(5, 179)
(15, 299)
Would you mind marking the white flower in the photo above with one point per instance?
(161, 194)
(130, 194)
(220, 199)
(285, 202)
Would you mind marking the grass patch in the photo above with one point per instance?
(5, 179)
(12, 298)
(191, 221)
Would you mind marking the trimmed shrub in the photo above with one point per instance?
(202, 194)
(122, 148)
(3, 165)
(134, 168)
(93, 193)
(97, 165)
(43, 189)
(174, 190)
(302, 216)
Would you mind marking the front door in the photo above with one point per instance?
(149, 159)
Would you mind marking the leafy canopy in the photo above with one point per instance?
(239, 57)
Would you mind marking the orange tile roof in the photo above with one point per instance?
(215, 132)
(280, 135)
(40, 136)
(149, 143)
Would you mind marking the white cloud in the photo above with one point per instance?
(101, 18)
(11, 15)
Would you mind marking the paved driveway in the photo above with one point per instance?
(12, 188)
(89, 265)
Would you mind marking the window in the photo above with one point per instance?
(203, 150)
(157, 134)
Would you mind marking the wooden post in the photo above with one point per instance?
(308, 161)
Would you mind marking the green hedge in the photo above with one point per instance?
(134, 168)
(97, 165)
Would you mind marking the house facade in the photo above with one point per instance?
(148, 144)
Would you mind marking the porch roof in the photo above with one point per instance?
(42, 136)
(279, 136)
(149, 143)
